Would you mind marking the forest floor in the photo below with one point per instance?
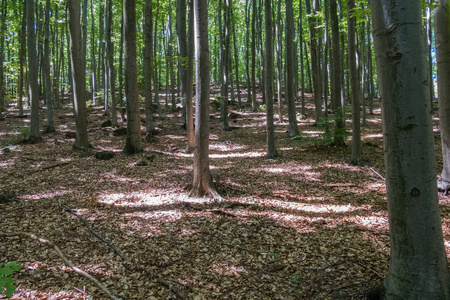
(306, 225)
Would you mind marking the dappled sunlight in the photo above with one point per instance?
(372, 136)
(225, 147)
(227, 269)
(233, 155)
(46, 195)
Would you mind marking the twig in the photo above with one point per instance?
(114, 248)
(63, 257)
(53, 166)
(382, 178)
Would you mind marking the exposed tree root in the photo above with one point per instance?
(97, 235)
(63, 257)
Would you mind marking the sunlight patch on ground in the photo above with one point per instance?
(177, 137)
(312, 133)
(377, 221)
(39, 196)
(225, 269)
(226, 147)
(372, 136)
(245, 154)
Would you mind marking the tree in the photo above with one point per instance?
(22, 59)
(46, 69)
(271, 149)
(355, 85)
(78, 76)
(291, 89)
(202, 177)
(442, 32)
(35, 135)
(110, 70)
(418, 265)
(336, 78)
(253, 50)
(279, 37)
(148, 50)
(190, 81)
(133, 144)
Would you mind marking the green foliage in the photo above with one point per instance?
(6, 282)
(297, 280)
(273, 256)
(262, 107)
(22, 132)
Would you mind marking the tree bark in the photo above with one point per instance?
(254, 104)
(182, 51)
(110, 64)
(418, 264)
(22, 60)
(148, 50)
(279, 37)
(202, 183)
(133, 144)
(78, 76)
(290, 69)
(46, 69)
(271, 149)
(35, 135)
(355, 86)
(190, 81)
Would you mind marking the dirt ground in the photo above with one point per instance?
(306, 225)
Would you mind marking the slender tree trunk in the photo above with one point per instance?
(35, 135)
(302, 67)
(22, 59)
(362, 72)
(418, 264)
(370, 67)
(355, 86)
(101, 49)
(247, 54)
(110, 64)
(290, 69)
(148, 38)
(254, 104)
(2, 61)
(279, 36)
(430, 57)
(182, 51)
(46, 69)
(271, 149)
(190, 82)
(236, 58)
(93, 51)
(170, 60)
(84, 33)
(226, 65)
(133, 143)
(202, 183)
(261, 53)
(156, 77)
(121, 103)
(78, 76)
(442, 32)
(339, 131)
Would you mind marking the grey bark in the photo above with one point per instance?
(148, 51)
(355, 86)
(182, 51)
(271, 149)
(302, 67)
(22, 59)
(202, 183)
(111, 71)
(133, 144)
(279, 37)
(46, 70)
(290, 70)
(78, 76)
(418, 263)
(190, 82)
(254, 104)
(35, 135)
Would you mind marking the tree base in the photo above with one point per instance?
(49, 129)
(130, 149)
(33, 140)
(199, 190)
(377, 293)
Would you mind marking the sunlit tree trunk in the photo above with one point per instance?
(202, 183)
(418, 263)
(190, 81)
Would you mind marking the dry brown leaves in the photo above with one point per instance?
(303, 226)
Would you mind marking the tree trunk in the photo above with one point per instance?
(236, 58)
(182, 51)
(46, 69)
(279, 37)
(355, 86)
(78, 76)
(302, 67)
(170, 59)
(370, 67)
(202, 183)
(418, 264)
(339, 131)
(190, 82)
(35, 135)
(93, 65)
(247, 54)
(290, 69)
(22, 60)
(442, 32)
(254, 104)
(148, 50)
(110, 64)
(226, 65)
(133, 143)
(271, 149)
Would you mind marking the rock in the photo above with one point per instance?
(120, 131)
(71, 135)
(104, 155)
(107, 123)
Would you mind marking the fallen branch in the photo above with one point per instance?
(53, 166)
(110, 245)
(382, 178)
(63, 257)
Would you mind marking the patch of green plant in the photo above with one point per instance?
(297, 280)
(6, 281)
(274, 256)
(262, 107)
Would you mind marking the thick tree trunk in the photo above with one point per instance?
(35, 135)
(134, 143)
(271, 149)
(148, 50)
(442, 31)
(418, 264)
(339, 131)
(290, 69)
(78, 76)
(355, 86)
(182, 51)
(202, 183)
